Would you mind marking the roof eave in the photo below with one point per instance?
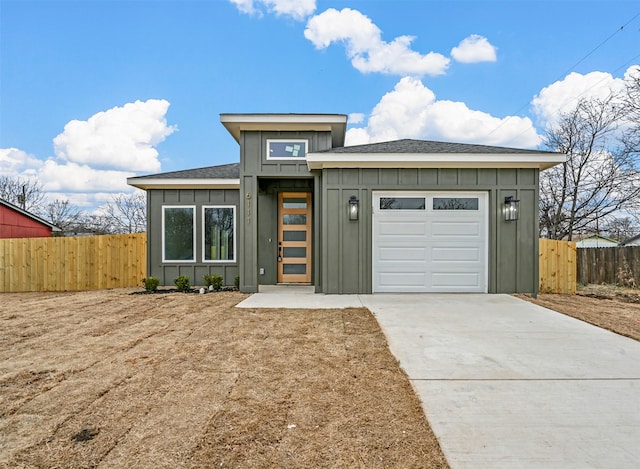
(187, 183)
(334, 123)
(432, 160)
(30, 215)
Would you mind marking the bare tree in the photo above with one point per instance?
(599, 178)
(631, 103)
(22, 192)
(620, 228)
(96, 225)
(127, 213)
(64, 215)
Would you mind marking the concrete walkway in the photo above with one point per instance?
(505, 383)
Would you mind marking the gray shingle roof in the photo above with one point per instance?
(427, 146)
(225, 171)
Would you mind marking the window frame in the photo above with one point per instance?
(193, 241)
(287, 140)
(235, 233)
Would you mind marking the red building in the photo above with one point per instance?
(18, 223)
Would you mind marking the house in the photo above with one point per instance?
(595, 241)
(301, 208)
(18, 223)
(633, 241)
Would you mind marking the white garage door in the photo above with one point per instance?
(430, 242)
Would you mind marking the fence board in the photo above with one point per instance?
(614, 265)
(557, 266)
(74, 263)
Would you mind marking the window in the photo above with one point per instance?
(286, 149)
(402, 203)
(178, 233)
(455, 203)
(219, 234)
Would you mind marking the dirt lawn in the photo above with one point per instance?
(606, 306)
(110, 379)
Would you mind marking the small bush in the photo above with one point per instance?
(217, 282)
(236, 282)
(183, 283)
(214, 280)
(150, 283)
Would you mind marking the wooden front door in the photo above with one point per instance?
(294, 237)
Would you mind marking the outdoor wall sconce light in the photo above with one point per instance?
(511, 208)
(353, 208)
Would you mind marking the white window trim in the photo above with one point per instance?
(215, 261)
(179, 261)
(287, 140)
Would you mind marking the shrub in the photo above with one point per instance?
(214, 280)
(236, 282)
(183, 283)
(150, 283)
(217, 282)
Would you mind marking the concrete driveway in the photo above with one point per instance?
(505, 383)
(508, 384)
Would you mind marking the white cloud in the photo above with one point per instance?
(563, 95)
(365, 47)
(297, 9)
(473, 49)
(411, 110)
(120, 138)
(15, 162)
(73, 177)
(96, 156)
(245, 6)
(356, 118)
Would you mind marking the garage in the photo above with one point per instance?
(430, 242)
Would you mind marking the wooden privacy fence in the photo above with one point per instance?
(74, 263)
(558, 266)
(615, 265)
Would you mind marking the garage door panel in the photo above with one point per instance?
(402, 254)
(402, 227)
(430, 250)
(455, 280)
(456, 254)
(439, 228)
(402, 279)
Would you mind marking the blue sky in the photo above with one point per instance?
(94, 91)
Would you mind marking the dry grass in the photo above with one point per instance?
(111, 379)
(606, 306)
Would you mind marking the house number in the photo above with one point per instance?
(248, 197)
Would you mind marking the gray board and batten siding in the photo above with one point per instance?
(347, 246)
(260, 181)
(168, 271)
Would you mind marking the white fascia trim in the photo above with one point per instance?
(235, 123)
(283, 118)
(432, 160)
(190, 183)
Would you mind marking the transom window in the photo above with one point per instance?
(286, 149)
(402, 203)
(219, 233)
(178, 234)
(455, 203)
